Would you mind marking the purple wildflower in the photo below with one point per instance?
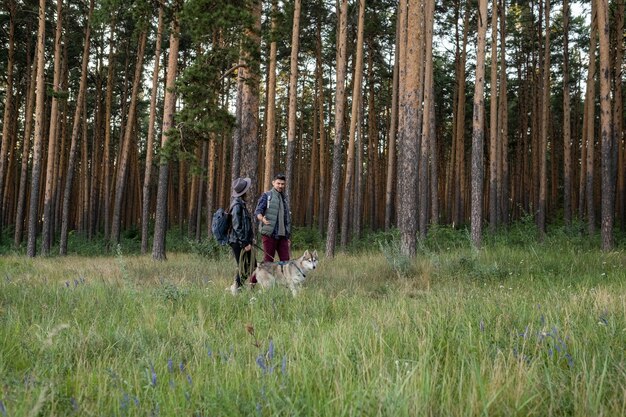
(74, 404)
(210, 353)
(124, 403)
(170, 365)
(2, 409)
(67, 284)
(181, 366)
(260, 360)
(136, 400)
(75, 283)
(482, 326)
(283, 367)
(189, 379)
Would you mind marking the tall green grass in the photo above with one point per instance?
(516, 329)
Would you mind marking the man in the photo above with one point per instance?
(274, 216)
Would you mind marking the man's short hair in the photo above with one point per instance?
(280, 176)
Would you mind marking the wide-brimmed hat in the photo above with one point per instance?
(240, 186)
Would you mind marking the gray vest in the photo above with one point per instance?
(271, 212)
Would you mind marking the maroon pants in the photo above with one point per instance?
(271, 246)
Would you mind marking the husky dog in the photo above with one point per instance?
(290, 273)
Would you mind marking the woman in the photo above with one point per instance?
(241, 232)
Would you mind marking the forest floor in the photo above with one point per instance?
(518, 328)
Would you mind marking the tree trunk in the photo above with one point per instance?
(545, 110)
(250, 99)
(391, 149)
(122, 177)
(319, 82)
(340, 102)
(39, 130)
(8, 107)
(478, 133)
(427, 131)
(459, 177)
(503, 177)
(493, 124)
(46, 238)
(617, 119)
(74, 141)
(271, 104)
(28, 125)
(606, 124)
(567, 150)
(107, 137)
(293, 89)
(354, 117)
(407, 190)
(169, 103)
(590, 116)
(145, 208)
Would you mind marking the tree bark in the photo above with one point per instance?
(8, 108)
(567, 150)
(250, 99)
(354, 117)
(122, 177)
(319, 82)
(340, 102)
(427, 131)
(478, 129)
(493, 124)
(158, 244)
(271, 104)
(147, 179)
(617, 119)
(74, 141)
(46, 238)
(28, 125)
(39, 130)
(293, 89)
(545, 110)
(590, 116)
(606, 125)
(393, 124)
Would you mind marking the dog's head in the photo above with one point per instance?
(309, 260)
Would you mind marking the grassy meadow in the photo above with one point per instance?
(518, 329)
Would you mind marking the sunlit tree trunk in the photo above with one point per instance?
(319, 82)
(293, 96)
(71, 165)
(122, 177)
(618, 129)
(160, 224)
(340, 102)
(478, 132)
(108, 104)
(46, 238)
(271, 104)
(28, 125)
(145, 208)
(503, 168)
(427, 139)
(545, 110)
(590, 116)
(567, 150)
(354, 117)
(250, 99)
(39, 130)
(606, 127)
(493, 124)
(391, 149)
(459, 177)
(8, 107)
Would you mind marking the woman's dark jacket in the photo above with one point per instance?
(241, 231)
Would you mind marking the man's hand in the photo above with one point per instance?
(263, 219)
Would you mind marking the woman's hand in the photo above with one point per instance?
(247, 248)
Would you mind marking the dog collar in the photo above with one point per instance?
(303, 274)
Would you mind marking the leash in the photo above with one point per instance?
(247, 264)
